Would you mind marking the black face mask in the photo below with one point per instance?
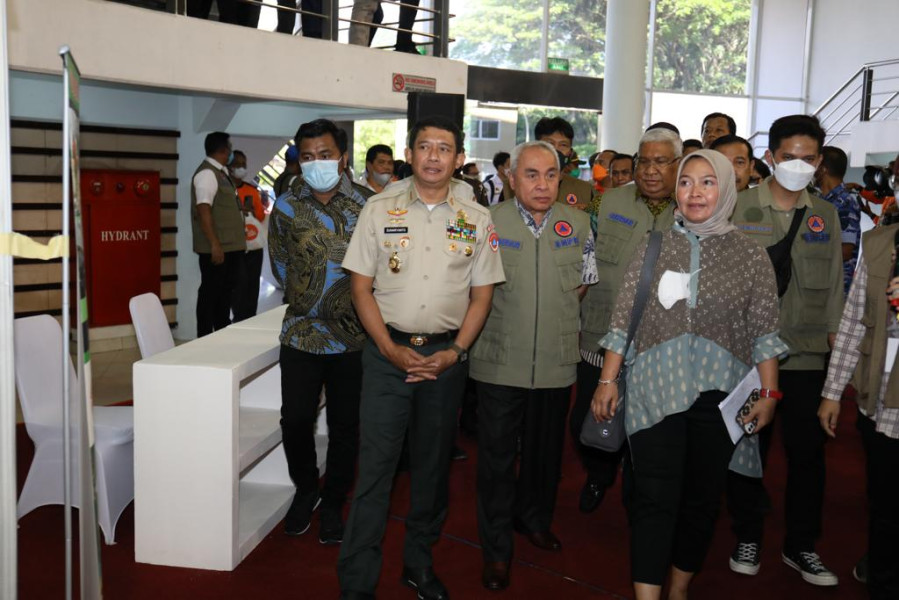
(563, 160)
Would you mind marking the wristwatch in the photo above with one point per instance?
(462, 352)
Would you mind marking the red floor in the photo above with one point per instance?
(592, 564)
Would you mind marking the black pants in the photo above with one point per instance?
(218, 283)
(246, 298)
(882, 466)
(302, 377)
(680, 469)
(406, 21)
(538, 417)
(747, 500)
(601, 467)
(312, 25)
(228, 10)
(429, 410)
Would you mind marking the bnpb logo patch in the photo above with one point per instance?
(571, 199)
(563, 229)
(815, 223)
(493, 241)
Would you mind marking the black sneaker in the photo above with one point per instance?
(811, 568)
(745, 559)
(330, 527)
(591, 496)
(458, 453)
(860, 570)
(299, 515)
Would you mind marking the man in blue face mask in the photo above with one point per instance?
(321, 337)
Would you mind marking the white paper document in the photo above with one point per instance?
(731, 405)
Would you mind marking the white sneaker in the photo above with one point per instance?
(811, 568)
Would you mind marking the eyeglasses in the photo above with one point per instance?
(659, 163)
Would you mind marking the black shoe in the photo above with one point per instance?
(591, 496)
(860, 570)
(811, 568)
(330, 526)
(746, 558)
(458, 453)
(425, 581)
(495, 576)
(299, 515)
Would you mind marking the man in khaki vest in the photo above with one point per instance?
(218, 235)
(559, 134)
(525, 359)
(875, 375)
(624, 217)
(810, 311)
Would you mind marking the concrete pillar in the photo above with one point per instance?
(625, 77)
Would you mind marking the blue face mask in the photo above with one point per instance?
(230, 158)
(321, 175)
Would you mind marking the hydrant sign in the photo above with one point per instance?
(122, 241)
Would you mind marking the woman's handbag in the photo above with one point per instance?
(610, 435)
(780, 256)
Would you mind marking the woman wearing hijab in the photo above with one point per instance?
(711, 315)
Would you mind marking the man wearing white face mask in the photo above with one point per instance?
(321, 336)
(802, 235)
(244, 299)
(378, 168)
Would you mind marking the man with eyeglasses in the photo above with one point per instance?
(624, 217)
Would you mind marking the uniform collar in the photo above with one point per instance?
(453, 196)
(766, 200)
(215, 163)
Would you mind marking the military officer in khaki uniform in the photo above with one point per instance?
(625, 216)
(810, 311)
(423, 261)
(559, 134)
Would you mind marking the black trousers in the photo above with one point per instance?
(538, 417)
(430, 411)
(302, 377)
(882, 466)
(218, 283)
(228, 11)
(680, 469)
(601, 466)
(747, 500)
(406, 21)
(246, 298)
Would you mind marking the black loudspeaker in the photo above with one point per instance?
(425, 104)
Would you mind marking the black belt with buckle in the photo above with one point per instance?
(421, 339)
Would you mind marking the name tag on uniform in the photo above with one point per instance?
(621, 219)
(565, 243)
(816, 238)
(507, 243)
(396, 230)
(892, 347)
(753, 228)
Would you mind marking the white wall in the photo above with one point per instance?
(844, 36)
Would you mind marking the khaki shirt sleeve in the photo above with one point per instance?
(362, 253)
(487, 268)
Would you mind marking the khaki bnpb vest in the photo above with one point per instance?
(877, 250)
(804, 307)
(530, 339)
(227, 217)
(621, 226)
(574, 192)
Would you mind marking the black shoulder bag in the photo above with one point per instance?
(779, 254)
(610, 435)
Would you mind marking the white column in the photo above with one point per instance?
(625, 75)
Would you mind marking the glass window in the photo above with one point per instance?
(701, 46)
(484, 129)
(497, 33)
(577, 31)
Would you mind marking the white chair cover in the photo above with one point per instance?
(153, 332)
(38, 347)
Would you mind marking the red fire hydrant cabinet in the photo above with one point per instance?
(122, 240)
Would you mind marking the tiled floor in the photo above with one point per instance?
(111, 377)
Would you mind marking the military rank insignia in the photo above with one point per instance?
(460, 230)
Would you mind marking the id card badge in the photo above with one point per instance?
(892, 347)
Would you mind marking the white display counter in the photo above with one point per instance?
(210, 477)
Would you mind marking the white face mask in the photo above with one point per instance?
(239, 173)
(321, 175)
(381, 178)
(794, 175)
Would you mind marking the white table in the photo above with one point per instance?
(210, 476)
